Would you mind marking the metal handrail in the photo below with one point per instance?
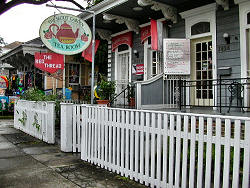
(116, 96)
(122, 92)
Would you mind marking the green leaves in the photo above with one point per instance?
(107, 89)
(23, 119)
(34, 94)
(35, 123)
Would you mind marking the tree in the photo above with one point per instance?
(93, 2)
(2, 43)
(6, 5)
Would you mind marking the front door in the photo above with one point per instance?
(122, 75)
(202, 71)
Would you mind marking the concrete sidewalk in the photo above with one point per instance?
(26, 162)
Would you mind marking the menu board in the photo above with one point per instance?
(176, 55)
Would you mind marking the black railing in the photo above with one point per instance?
(202, 93)
(127, 94)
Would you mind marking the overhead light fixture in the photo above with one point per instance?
(226, 36)
(137, 8)
(136, 53)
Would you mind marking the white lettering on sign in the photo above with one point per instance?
(39, 61)
(50, 65)
(49, 57)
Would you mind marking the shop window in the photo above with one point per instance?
(74, 74)
(199, 28)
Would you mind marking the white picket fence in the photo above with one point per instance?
(167, 149)
(36, 119)
(71, 123)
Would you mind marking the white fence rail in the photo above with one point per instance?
(36, 119)
(71, 123)
(165, 149)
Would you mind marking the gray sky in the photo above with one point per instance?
(22, 22)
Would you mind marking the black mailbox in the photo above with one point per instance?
(224, 71)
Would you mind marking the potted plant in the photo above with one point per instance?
(131, 95)
(106, 91)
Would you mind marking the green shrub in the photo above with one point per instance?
(34, 94)
(107, 89)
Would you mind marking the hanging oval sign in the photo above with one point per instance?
(65, 34)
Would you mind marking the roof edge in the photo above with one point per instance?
(102, 7)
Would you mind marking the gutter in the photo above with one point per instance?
(20, 48)
(101, 7)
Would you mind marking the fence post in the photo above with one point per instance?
(50, 135)
(138, 96)
(84, 133)
(66, 126)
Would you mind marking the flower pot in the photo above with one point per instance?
(132, 102)
(103, 103)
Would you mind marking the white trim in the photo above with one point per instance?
(151, 80)
(145, 46)
(198, 11)
(244, 8)
(130, 62)
(240, 1)
(203, 14)
(129, 66)
(200, 35)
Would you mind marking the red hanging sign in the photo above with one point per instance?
(87, 54)
(154, 35)
(145, 33)
(49, 62)
(125, 38)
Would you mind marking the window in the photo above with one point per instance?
(74, 74)
(149, 40)
(199, 28)
(156, 63)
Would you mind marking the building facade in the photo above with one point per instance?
(218, 35)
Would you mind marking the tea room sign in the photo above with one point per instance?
(176, 54)
(65, 34)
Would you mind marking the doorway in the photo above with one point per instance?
(202, 71)
(123, 74)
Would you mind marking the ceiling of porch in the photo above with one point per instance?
(143, 16)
